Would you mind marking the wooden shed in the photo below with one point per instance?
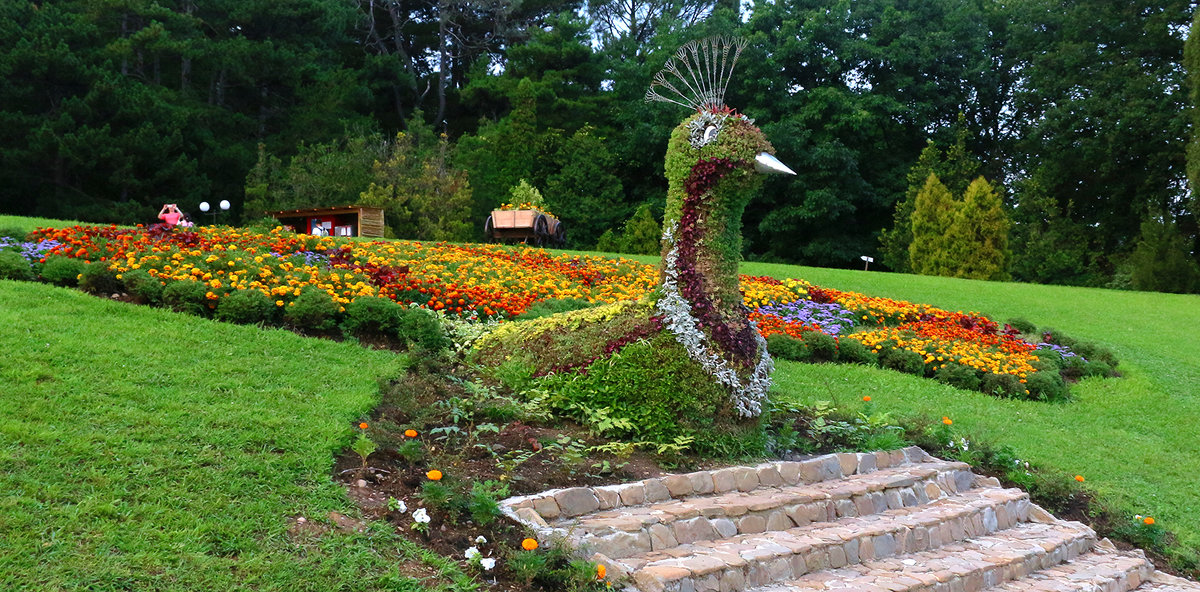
(337, 221)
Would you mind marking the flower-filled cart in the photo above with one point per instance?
(527, 225)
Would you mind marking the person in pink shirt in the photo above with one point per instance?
(170, 214)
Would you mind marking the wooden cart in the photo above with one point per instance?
(524, 226)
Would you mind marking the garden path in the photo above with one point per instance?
(859, 522)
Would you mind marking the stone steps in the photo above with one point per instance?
(661, 526)
(873, 522)
(744, 558)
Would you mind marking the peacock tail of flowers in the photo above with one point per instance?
(697, 76)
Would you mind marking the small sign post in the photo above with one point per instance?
(867, 261)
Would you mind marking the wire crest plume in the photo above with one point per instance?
(699, 73)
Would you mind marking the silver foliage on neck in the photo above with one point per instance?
(697, 76)
(676, 311)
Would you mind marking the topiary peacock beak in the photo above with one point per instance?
(765, 163)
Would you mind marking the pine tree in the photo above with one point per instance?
(955, 168)
(643, 234)
(976, 244)
(933, 211)
(1161, 261)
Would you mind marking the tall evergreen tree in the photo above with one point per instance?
(933, 212)
(1162, 261)
(955, 168)
(1191, 63)
(976, 243)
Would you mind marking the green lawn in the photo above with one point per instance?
(146, 450)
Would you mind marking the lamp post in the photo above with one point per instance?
(224, 205)
(867, 261)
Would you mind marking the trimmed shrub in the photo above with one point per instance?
(853, 351)
(821, 347)
(245, 307)
(313, 309)
(1022, 325)
(421, 328)
(372, 314)
(143, 287)
(14, 267)
(186, 296)
(97, 278)
(909, 362)
(1096, 368)
(62, 271)
(1048, 386)
(786, 347)
(1002, 385)
(959, 376)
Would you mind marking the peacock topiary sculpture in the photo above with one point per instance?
(687, 360)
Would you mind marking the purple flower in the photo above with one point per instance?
(832, 318)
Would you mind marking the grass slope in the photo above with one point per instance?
(1133, 437)
(145, 450)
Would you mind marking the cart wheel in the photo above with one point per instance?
(541, 232)
(488, 232)
(560, 235)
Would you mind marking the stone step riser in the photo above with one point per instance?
(774, 562)
(579, 501)
(767, 514)
(978, 565)
(1105, 570)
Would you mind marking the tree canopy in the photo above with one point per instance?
(1078, 111)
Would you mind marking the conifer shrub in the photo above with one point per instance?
(245, 307)
(186, 296)
(902, 360)
(786, 347)
(14, 267)
(1046, 386)
(372, 315)
(853, 351)
(821, 347)
(313, 309)
(420, 327)
(1002, 385)
(959, 376)
(97, 278)
(62, 271)
(141, 286)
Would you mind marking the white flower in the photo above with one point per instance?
(421, 516)
(398, 505)
(487, 563)
(471, 553)
(480, 540)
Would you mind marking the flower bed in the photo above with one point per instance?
(488, 282)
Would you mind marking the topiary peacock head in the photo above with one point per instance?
(714, 163)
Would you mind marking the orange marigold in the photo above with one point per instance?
(867, 398)
(529, 544)
(1149, 521)
(410, 433)
(434, 475)
(601, 571)
(946, 420)
(1079, 478)
(362, 426)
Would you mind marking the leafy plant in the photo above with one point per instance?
(97, 278)
(61, 271)
(14, 267)
(245, 307)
